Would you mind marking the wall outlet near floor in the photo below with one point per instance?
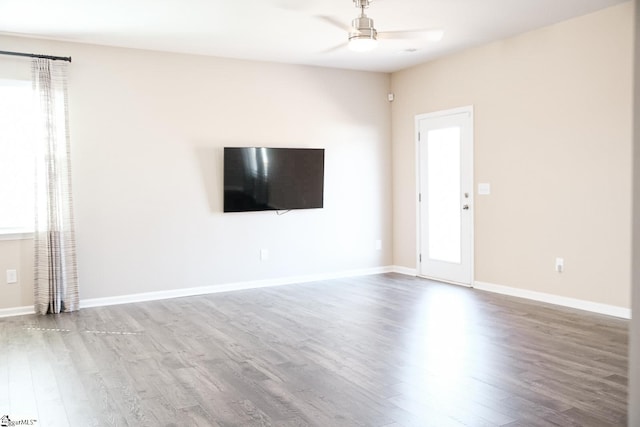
(12, 276)
(264, 254)
(559, 265)
(378, 245)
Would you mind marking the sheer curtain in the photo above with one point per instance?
(56, 278)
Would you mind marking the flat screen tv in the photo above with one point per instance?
(261, 179)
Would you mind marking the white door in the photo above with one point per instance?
(445, 195)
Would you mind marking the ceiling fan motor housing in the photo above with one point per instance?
(361, 3)
(363, 28)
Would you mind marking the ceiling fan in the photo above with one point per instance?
(363, 36)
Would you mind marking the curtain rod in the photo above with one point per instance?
(33, 55)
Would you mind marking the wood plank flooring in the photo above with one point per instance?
(384, 350)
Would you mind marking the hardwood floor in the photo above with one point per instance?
(386, 350)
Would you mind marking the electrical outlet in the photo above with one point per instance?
(378, 245)
(559, 265)
(264, 254)
(12, 276)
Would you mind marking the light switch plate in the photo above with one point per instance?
(12, 276)
(484, 189)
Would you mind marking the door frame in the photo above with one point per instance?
(438, 114)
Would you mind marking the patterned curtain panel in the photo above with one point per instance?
(56, 278)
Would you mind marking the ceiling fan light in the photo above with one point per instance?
(362, 44)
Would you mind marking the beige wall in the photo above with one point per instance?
(634, 335)
(16, 255)
(147, 133)
(552, 136)
(553, 111)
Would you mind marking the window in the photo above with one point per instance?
(17, 157)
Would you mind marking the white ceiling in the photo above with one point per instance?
(288, 31)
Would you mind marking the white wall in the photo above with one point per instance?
(147, 133)
(553, 112)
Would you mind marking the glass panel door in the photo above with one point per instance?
(445, 177)
(443, 194)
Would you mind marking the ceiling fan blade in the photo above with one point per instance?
(430, 35)
(335, 22)
(335, 48)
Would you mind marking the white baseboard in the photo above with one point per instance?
(16, 311)
(610, 310)
(594, 307)
(405, 270)
(228, 287)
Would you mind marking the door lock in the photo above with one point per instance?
(465, 207)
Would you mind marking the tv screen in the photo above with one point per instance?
(260, 178)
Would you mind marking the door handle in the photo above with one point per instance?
(465, 207)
